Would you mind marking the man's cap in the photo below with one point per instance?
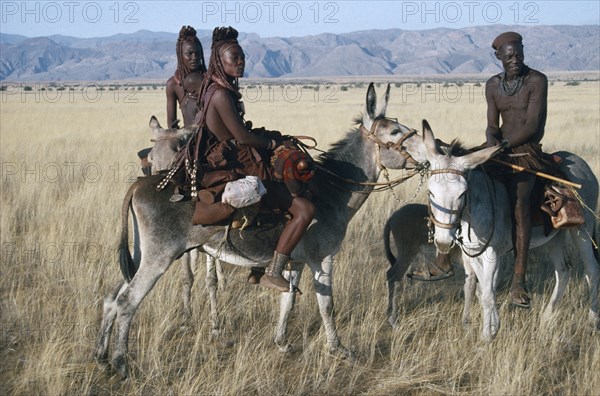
(506, 37)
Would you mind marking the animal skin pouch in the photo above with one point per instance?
(562, 206)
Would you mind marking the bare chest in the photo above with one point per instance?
(518, 102)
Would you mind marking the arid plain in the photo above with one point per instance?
(68, 156)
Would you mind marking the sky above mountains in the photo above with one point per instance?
(281, 18)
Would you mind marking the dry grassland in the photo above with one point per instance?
(66, 164)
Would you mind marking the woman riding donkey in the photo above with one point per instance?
(227, 149)
(183, 86)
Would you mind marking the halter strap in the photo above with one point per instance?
(398, 146)
(459, 240)
(419, 168)
(432, 218)
(449, 170)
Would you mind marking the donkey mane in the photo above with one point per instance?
(339, 150)
(454, 149)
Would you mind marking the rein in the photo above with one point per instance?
(418, 168)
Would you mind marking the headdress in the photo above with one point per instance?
(223, 38)
(187, 33)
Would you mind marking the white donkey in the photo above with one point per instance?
(468, 206)
(167, 143)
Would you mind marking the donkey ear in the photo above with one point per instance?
(429, 140)
(371, 102)
(386, 97)
(154, 124)
(472, 160)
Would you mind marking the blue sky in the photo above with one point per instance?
(281, 18)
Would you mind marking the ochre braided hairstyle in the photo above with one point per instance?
(187, 33)
(222, 39)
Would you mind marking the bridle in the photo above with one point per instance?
(459, 212)
(398, 146)
(371, 134)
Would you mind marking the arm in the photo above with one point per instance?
(171, 104)
(536, 112)
(225, 107)
(493, 134)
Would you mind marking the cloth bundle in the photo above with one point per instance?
(243, 192)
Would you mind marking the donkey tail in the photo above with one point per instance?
(386, 242)
(126, 262)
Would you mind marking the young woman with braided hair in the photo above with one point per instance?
(222, 113)
(183, 87)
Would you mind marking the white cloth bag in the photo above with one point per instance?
(243, 192)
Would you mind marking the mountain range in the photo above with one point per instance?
(145, 55)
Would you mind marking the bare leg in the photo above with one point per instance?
(519, 193)
(302, 211)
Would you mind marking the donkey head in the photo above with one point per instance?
(167, 142)
(448, 186)
(385, 132)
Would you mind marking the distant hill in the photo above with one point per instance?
(151, 55)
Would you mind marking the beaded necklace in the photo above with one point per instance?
(511, 87)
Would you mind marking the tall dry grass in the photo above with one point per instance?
(65, 167)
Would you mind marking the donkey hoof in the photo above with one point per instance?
(119, 364)
(393, 322)
(487, 338)
(214, 334)
(101, 358)
(342, 353)
(285, 348)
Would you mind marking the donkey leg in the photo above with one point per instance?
(491, 318)
(211, 287)
(394, 278)
(556, 251)
(286, 305)
(592, 271)
(469, 291)
(108, 318)
(222, 281)
(128, 301)
(187, 281)
(408, 245)
(323, 282)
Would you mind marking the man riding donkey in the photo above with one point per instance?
(227, 149)
(183, 87)
(519, 96)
